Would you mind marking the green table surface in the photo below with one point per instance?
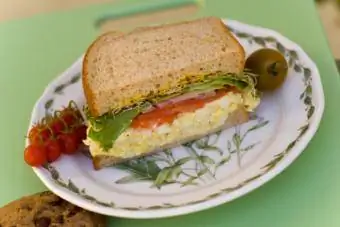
(35, 50)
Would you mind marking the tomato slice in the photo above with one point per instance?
(168, 113)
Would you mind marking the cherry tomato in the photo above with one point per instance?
(55, 135)
(81, 133)
(69, 117)
(68, 142)
(57, 126)
(39, 135)
(35, 155)
(33, 133)
(53, 150)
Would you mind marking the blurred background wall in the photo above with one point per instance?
(329, 11)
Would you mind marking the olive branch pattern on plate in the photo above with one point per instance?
(199, 165)
(203, 166)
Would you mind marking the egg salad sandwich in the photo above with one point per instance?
(158, 87)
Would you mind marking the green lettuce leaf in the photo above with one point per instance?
(111, 127)
(107, 128)
(244, 81)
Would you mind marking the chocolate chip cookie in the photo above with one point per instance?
(45, 209)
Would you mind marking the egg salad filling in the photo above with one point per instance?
(133, 142)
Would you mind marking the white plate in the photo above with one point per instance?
(207, 172)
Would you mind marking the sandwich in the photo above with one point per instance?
(162, 86)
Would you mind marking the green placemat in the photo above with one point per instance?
(35, 50)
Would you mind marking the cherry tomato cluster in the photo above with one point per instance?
(55, 135)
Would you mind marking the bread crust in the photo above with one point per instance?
(237, 117)
(240, 47)
(86, 87)
(90, 96)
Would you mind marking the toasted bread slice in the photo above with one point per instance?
(123, 69)
(237, 117)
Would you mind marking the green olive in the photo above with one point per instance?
(270, 66)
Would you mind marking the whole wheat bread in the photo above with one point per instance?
(123, 69)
